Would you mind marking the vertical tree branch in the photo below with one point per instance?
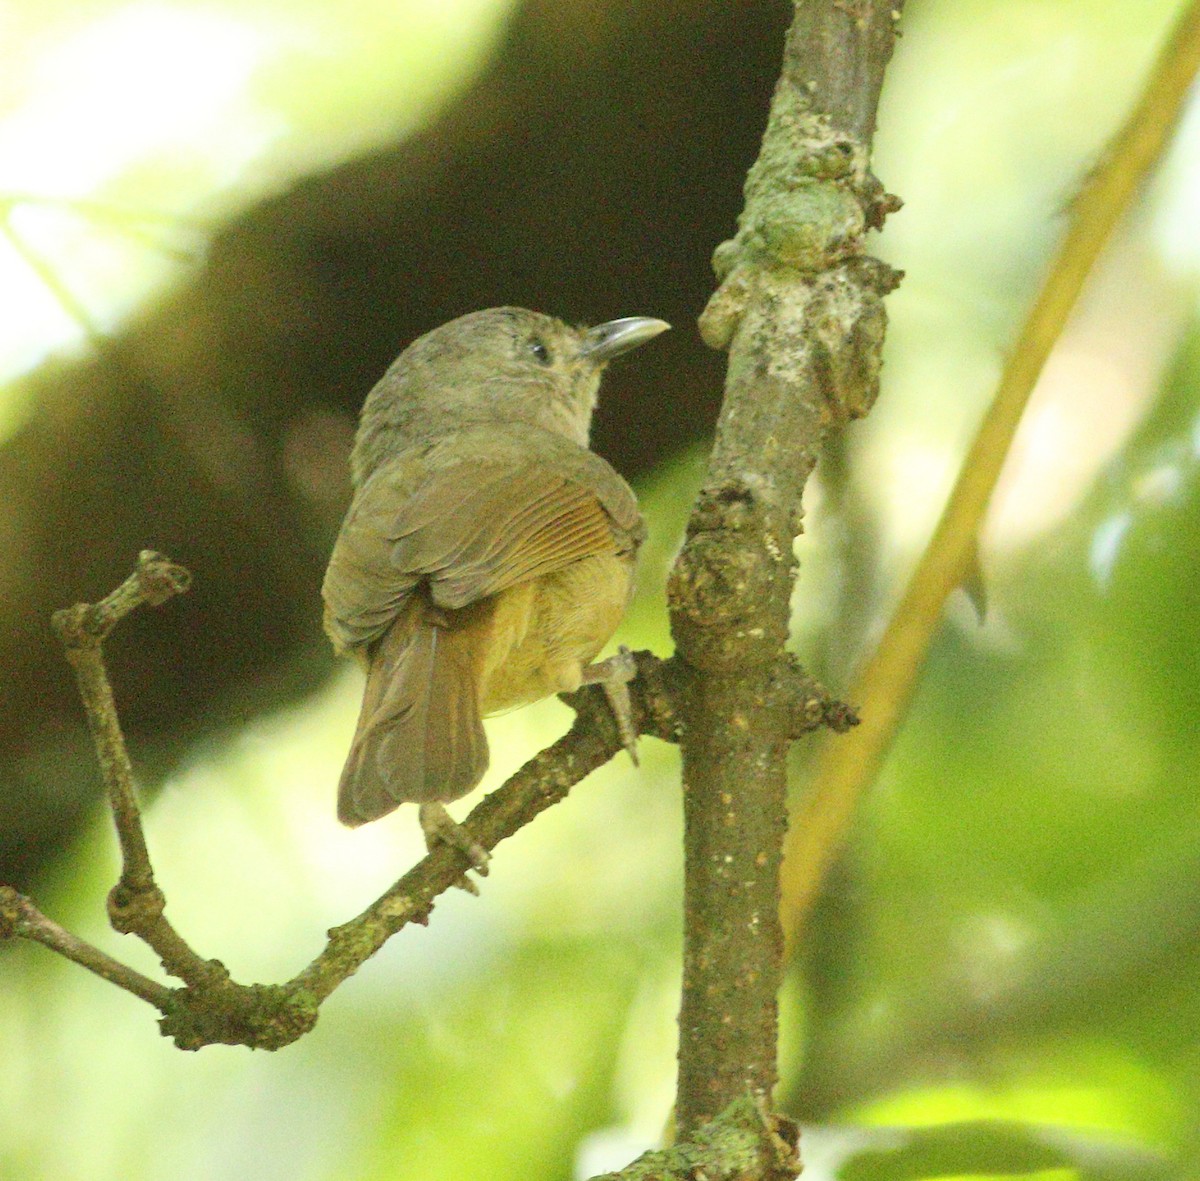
(800, 309)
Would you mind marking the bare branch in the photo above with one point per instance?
(546, 779)
(135, 904)
(800, 309)
(82, 629)
(19, 918)
(212, 1008)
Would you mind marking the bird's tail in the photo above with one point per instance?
(419, 736)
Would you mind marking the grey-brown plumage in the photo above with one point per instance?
(487, 555)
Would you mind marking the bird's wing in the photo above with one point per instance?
(470, 516)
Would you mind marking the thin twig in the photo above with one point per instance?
(82, 629)
(887, 682)
(544, 780)
(213, 1008)
(135, 904)
(19, 918)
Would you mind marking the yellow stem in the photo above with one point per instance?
(847, 764)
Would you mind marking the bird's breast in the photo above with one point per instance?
(545, 631)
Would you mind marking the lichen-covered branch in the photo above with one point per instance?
(799, 307)
(744, 1142)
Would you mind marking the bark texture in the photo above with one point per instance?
(799, 308)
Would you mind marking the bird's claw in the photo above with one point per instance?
(613, 676)
(440, 828)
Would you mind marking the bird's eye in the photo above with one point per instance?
(540, 352)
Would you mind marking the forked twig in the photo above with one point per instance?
(210, 1007)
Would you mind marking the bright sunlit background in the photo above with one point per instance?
(129, 131)
(1013, 934)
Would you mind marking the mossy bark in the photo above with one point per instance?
(799, 308)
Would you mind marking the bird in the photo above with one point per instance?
(487, 555)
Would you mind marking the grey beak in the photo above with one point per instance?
(605, 341)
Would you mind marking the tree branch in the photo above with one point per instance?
(20, 918)
(82, 629)
(744, 1142)
(211, 1008)
(135, 904)
(799, 307)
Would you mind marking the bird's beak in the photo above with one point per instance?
(605, 341)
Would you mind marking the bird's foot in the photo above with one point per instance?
(613, 676)
(440, 828)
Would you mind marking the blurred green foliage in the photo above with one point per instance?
(1021, 895)
(1001, 977)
